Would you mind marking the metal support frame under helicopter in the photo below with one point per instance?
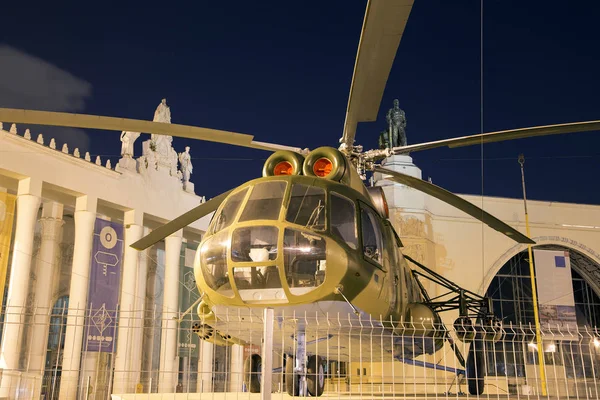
(470, 306)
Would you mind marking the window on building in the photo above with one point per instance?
(512, 299)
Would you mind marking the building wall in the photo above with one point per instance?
(130, 193)
(468, 252)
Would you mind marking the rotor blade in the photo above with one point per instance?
(180, 222)
(382, 30)
(134, 125)
(456, 201)
(503, 135)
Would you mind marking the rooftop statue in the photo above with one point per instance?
(162, 143)
(127, 141)
(395, 135)
(162, 113)
(186, 164)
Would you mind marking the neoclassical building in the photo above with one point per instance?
(488, 263)
(83, 312)
(59, 255)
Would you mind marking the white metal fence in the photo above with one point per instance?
(346, 356)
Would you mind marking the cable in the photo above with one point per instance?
(482, 131)
(512, 159)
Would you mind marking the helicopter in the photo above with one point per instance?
(309, 237)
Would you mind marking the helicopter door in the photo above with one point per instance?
(372, 240)
(374, 252)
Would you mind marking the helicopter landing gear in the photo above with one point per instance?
(475, 368)
(304, 375)
(315, 376)
(292, 379)
(295, 380)
(252, 373)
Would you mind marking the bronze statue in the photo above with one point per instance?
(395, 135)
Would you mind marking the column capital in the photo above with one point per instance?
(86, 203)
(51, 221)
(30, 186)
(52, 209)
(51, 228)
(133, 217)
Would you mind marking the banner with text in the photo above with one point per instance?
(555, 289)
(105, 278)
(7, 215)
(188, 342)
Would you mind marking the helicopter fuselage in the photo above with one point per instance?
(302, 243)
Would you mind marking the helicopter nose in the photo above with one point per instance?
(264, 262)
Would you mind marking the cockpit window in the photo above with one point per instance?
(213, 259)
(254, 244)
(227, 214)
(304, 259)
(371, 235)
(343, 219)
(307, 207)
(264, 202)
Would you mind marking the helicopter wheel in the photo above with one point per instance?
(252, 372)
(475, 370)
(292, 379)
(315, 376)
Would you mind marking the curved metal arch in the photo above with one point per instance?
(542, 241)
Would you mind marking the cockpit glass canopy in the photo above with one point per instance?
(304, 258)
(228, 211)
(265, 201)
(254, 244)
(307, 207)
(213, 259)
(343, 219)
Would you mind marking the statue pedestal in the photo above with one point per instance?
(126, 163)
(189, 187)
(398, 195)
(400, 163)
(409, 212)
(163, 169)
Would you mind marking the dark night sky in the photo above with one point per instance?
(282, 70)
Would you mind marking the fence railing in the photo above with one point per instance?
(323, 354)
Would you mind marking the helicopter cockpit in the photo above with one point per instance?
(270, 239)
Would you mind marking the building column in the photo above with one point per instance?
(85, 218)
(206, 367)
(46, 261)
(168, 351)
(123, 381)
(140, 308)
(236, 368)
(28, 204)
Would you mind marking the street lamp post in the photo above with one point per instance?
(536, 314)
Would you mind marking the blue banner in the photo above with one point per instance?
(103, 295)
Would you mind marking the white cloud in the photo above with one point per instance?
(31, 83)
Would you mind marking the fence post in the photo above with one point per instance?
(267, 355)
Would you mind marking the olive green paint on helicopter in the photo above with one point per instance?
(377, 289)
